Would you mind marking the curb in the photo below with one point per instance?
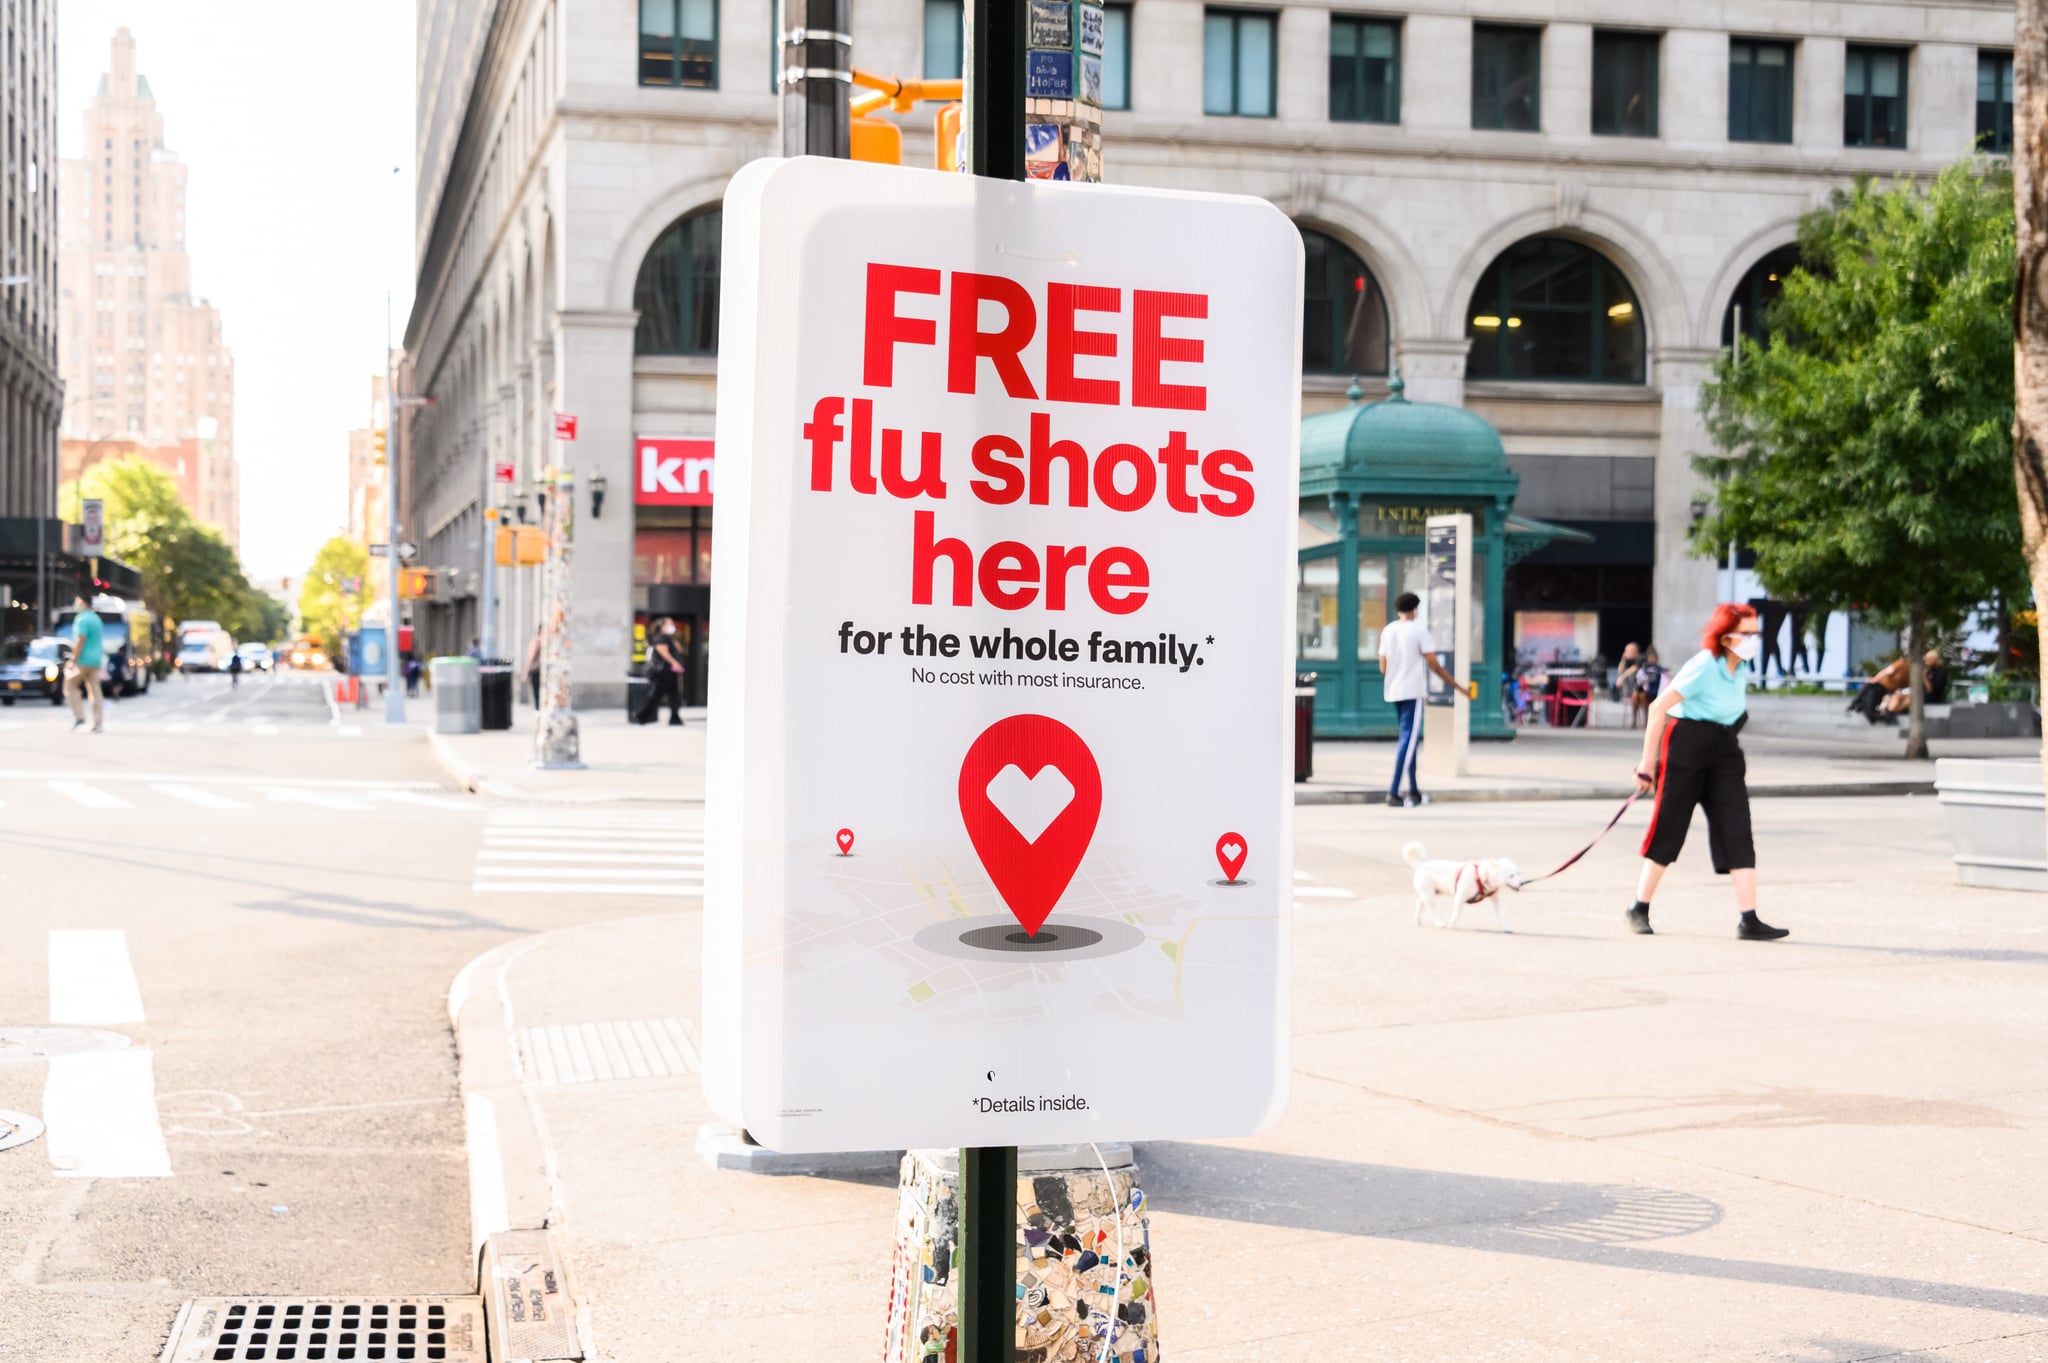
(459, 771)
(511, 1184)
(1360, 795)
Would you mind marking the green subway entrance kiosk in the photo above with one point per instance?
(1372, 474)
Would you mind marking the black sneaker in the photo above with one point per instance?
(1754, 929)
(1639, 921)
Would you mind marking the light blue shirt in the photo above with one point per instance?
(1711, 692)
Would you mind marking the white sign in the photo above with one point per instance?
(91, 526)
(999, 843)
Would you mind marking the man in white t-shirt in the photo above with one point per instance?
(1406, 660)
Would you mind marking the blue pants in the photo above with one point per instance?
(1408, 751)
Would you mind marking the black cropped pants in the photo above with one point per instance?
(1702, 766)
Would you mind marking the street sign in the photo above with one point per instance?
(1000, 840)
(565, 426)
(407, 551)
(91, 526)
(502, 473)
(379, 550)
(417, 400)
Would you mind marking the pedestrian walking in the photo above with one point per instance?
(234, 669)
(533, 662)
(1406, 660)
(1691, 757)
(412, 675)
(664, 676)
(82, 673)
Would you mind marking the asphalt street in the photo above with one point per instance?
(240, 909)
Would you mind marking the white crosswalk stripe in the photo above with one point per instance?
(592, 851)
(319, 799)
(1307, 887)
(92, 797)
(195, 795)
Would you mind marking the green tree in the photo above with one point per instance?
(189, 571)
(336, 590)
(1866, 451)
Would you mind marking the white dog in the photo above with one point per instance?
(1460, 882)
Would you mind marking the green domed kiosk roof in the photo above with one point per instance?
(1400, 446)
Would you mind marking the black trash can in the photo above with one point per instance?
(636, 695)
(494, 680)
(1304, 726)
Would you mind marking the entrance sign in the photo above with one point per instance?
(91, 526)
(503, 473)
(565, 426)
(1447, 611)
(1006, 584)
(672, 472)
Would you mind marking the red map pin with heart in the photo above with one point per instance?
(1230, 854)
(844, 837)
(1030, 794)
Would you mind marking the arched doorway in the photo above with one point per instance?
(1554, 308)
(676, 292)
(1344, 314)
(1754, 295)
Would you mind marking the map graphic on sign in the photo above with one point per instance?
(1004, 582)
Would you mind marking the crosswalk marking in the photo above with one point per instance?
(1322, 892)
(598, 858)
(92, 797)
(413, 797)
(194, 795)
(591, 852)
(585, 1052)
(320, 799)
(92, 983)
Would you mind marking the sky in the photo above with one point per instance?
(296, 123)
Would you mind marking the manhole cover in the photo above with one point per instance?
(17, 1128)
(41, 1043)
(328, 1328)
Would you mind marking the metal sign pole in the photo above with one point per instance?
(994, 134)
(394, 683)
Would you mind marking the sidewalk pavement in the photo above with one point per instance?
(1562, 1143)
(621, 761)
(1796, 746)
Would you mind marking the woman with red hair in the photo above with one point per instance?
(1691, 758)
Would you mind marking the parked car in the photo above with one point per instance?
(32, 669)
(255, 657)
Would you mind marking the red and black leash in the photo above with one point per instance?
(1569, 861)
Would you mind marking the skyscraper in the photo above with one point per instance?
(30, 396)
(145, 360)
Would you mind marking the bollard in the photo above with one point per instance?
(1071, 1288)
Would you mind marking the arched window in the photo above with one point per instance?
(677, 292)
(1344, 315)
(1755, 294)
(1551, 308)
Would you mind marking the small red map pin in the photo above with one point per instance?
(1230, 855)
(845, 840)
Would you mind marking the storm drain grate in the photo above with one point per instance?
(327, 1330)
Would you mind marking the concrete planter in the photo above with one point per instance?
(1995, 815)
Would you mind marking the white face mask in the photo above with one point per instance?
(1746, 646)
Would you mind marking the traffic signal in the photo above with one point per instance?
(377, 439)
(416, 584)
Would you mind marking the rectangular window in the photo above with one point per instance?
(1116, 56)
(1507, 77)
(679, 43)
(1238, 52)
(1874, 98)
(1365, 70)
(945, 38)
(1994, 102)
(1759, 91)
(1625, 84)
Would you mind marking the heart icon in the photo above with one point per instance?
(844, 837)
(1230, 855)
(1030, 794)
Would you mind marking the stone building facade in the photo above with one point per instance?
(1547, 213)
(144, 359)
(31, 393)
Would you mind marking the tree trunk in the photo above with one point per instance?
(2030, 296)
(2004, 609)
(1916, 682)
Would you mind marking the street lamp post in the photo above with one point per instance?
(394, 688)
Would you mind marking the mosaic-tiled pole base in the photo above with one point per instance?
(1071, 1289)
